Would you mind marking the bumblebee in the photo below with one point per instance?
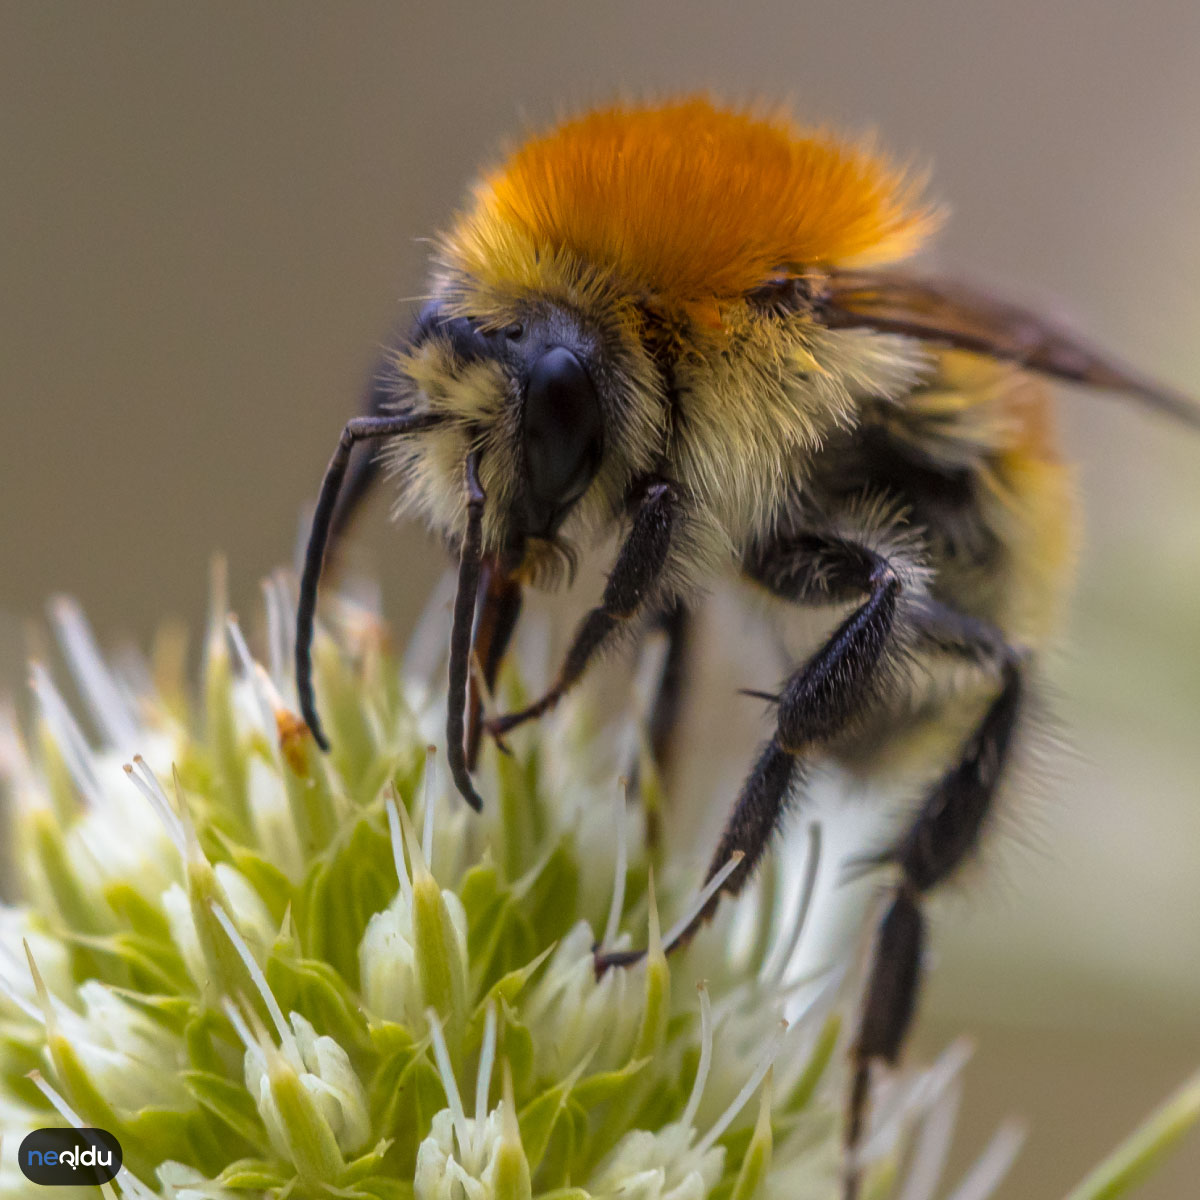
(692, 325)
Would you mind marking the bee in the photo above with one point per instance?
(692, 325)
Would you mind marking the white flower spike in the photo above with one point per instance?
(267, 983)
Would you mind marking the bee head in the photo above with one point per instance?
(555, 405)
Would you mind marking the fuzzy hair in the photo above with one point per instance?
(689, 203)
(732, 401)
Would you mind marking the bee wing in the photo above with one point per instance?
(958, 315)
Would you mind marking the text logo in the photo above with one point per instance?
(77, 1157)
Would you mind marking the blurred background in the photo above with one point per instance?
(212, 214)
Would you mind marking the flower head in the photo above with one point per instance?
(269, 972)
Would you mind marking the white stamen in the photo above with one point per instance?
(709, 890)
(254, 673)
(428, 641)
(993, 1164)
(784, 951)
(654, 943)
(50, 1005)
(132, 676)
(286, 593)
(131, 1185)
(416, 858)
(15, 998)
(239, 1023)
(276, 644)
(706, 1050)
(15, 766)
(487, 1057)
(147, 783)
(394, 832)
(815, 1008)
(259, 979)
(72, 745)
(129, 1182)
(430, 794)
(60, 1105)
(116, 723)
(917, 1098)
(237, 640)
(774, 1045)
(462, 1131)
(933, 1146)
(620, 870)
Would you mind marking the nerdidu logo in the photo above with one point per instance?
(75, 1157)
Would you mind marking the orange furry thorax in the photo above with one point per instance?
(685, 204)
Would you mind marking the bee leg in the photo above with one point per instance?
(818, 701)
(634, 579)
(662, 723)
(943, 834)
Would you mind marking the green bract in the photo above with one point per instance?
(271, 972)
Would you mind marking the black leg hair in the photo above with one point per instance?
(820, 700)
(359, 429)
(940, 838)
(637, 571)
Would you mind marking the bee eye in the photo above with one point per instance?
(563, 435)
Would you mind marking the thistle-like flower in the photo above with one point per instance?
(270, 972)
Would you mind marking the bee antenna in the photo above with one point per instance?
(460, 636)
(359, 429)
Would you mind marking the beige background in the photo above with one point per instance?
(209, 213)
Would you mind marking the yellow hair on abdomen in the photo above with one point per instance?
(686, 203)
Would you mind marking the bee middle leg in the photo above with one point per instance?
(820, 700)
(941, 836)
(839, 683)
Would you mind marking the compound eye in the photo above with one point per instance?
(563, 434)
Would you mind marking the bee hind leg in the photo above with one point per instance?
(941, 837)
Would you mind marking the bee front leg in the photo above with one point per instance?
(634, 579)
(675, 623)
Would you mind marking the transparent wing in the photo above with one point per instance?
(956, 314)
